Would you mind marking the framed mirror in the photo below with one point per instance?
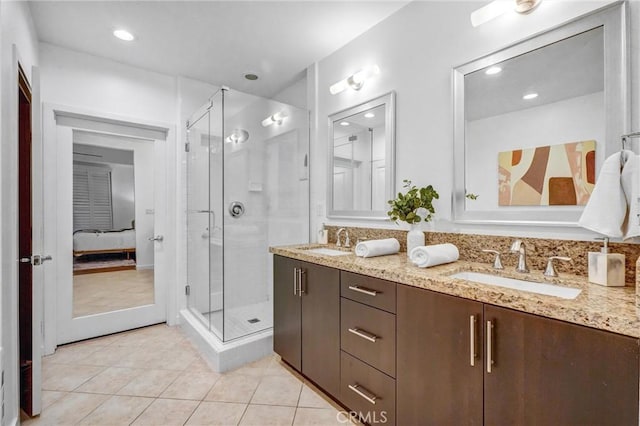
(535, 121)
(361, 175)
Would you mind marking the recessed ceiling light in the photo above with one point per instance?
(369, 115)
(251, 77)
(344, 123)
(124, 35)
(493, 70)
(530, 96)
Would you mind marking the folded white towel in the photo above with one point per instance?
(375, 248)
(426, 256)
(607, 207)
(630, 183)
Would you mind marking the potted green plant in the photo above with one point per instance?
(412, 207)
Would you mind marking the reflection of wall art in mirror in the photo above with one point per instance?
(557, 175)
(566, 84)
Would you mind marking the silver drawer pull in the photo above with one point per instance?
(357, 389)
(365, 335)
(363, 290)
(472, 340)
(489, 346)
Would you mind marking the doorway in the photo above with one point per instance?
(25, 244)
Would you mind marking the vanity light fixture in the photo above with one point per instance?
(530, 96)
(493, 70)
(499, 7)
(369, 115)
(123, 35)
(276, 118)
(344, 123)
(356, 80)
(237, 136)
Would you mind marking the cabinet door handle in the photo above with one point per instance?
(489, 345)
(363, 393)
(472, 340)
(364, 334)
(363, 290)
(295, 281)
(301, 273)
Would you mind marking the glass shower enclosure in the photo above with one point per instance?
(247, 176)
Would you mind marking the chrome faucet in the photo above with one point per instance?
(347, 242)
(518, 247)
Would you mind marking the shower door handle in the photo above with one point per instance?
(157, 238)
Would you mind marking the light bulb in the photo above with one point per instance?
(123, 35)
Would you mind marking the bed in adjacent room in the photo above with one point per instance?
(102, 251)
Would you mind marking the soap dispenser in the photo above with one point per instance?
(606, 268)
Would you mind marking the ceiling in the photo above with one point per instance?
(212, 41)
(566, 69)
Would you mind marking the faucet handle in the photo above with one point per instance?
(497, 263)
(516, 245)
(347, 241)
(550, 270)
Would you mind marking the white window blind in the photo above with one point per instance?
(92, 208)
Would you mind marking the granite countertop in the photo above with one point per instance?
(606, 308)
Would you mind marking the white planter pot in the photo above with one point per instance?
(415, 238)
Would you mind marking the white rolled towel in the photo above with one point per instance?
(426, 256)
(375, 248)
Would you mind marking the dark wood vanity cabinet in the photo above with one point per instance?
(546, 371)
(447, 360)
(439, 358)
(306, 320)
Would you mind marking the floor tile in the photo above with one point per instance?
(110, 380)
(191, 385)
(234, 388)
(64, 377)
(217, 413)
(311, 398)
(117, 410)
(71, 354)
(166, 412)
(263, 415)
(69, 409)
(278, 390)
(106, 356)
(49, 397)
(149, 383)
(320, 417)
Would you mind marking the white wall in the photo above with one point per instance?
(416, 49)
(18, 44)
(122, 195)
(549, 124)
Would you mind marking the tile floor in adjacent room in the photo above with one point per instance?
(154, 376)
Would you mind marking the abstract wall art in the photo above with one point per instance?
(554, 175)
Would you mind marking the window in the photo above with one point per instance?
(92, 207)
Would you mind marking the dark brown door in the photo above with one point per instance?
(25, 270)
(287, 337)
(436, 383)
(549, 372)
(321, 326)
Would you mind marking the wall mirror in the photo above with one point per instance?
(361, 159)
(534, 122)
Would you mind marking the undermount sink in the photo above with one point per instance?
(516, 284)
(328, 252)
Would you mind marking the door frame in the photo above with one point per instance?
(50, 140)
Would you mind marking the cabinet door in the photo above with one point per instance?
(286, 312)
(321, 326)
(436, 383)
(548, 372)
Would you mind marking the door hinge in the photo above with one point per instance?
(186, 147)
(187, 290)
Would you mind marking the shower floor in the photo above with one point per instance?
(240, 321)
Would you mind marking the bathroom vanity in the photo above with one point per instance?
(404, 345)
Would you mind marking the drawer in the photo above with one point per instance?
(367, 391)
(368, 334)
(374, 292)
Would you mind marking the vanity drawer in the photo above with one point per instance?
(369, 334)
(374, 292)
(367, 391)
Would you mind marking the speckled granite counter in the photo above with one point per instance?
(606, 308)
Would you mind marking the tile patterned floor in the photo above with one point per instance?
(154, 376)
